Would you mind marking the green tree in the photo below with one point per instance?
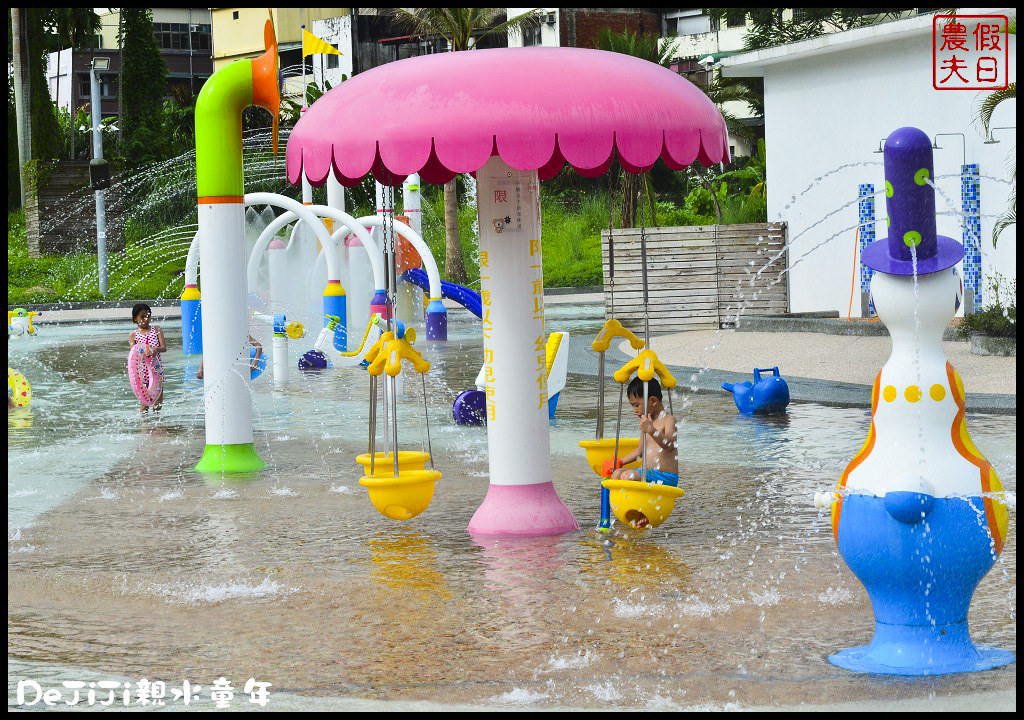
(463, 29)
(985, 111)
(769, 26)
(143, 87)
(753, 173)
(13, 179)
(42, 31)
(722, 90)
(650, 48)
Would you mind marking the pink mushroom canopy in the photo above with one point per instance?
(538, 108)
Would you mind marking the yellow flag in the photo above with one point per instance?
(312, 45)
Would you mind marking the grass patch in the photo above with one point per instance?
(149, 270)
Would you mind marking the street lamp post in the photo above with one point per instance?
(99, 178)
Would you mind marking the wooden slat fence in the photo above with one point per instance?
(698, 277)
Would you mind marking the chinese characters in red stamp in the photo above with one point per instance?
(970, 52)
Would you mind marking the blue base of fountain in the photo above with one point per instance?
(920, 559)
(921, 650)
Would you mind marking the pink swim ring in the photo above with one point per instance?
(146, 380)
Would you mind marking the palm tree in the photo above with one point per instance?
(985, 111)
(722, 90)
(650, 48)
(462, 28)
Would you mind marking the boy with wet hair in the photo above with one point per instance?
(658, 430)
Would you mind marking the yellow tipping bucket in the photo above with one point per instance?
(384, 463)
(402, 497)
(629, 498)
(600, 450)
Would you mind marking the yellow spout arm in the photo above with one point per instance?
(362, 343)
(390, 361)
(612, 329)
(646, 365)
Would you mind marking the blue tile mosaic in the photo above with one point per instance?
(970, 199)
(866, 220)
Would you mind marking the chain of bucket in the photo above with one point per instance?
(629, 499)
(613, 328)
(393, 346)
(406, 492)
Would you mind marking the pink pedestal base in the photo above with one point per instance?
(522, 510)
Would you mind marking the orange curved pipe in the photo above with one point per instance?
(266, 92)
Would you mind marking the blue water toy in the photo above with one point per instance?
(761, 397)
(313, 360)
(470, 408)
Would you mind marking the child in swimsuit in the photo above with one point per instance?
(659, 435)
(153, 338)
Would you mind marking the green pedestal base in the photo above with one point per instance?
(230, 459)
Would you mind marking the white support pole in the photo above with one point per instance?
(521, 499)
(280, 348)
(309, 248)
(410, 305)
(278, 263)
(225, 332)
(280, 361)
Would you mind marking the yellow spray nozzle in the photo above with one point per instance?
(295, 330)
(374, 350)
(390, 361)
(612, 329)
(646, 365)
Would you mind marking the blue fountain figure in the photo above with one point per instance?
(763, 396)
(919, 515)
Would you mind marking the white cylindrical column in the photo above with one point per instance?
(280, 360)
(410, 303)
(309, 249)
(225, 339)
(335, 192)
(278, 265)
(521, 499)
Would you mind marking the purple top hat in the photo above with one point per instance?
(910, 202)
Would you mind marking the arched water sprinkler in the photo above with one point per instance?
(514, 117)
(334, 293)
(437, 322)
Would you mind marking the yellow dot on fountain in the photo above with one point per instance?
(937, 392)
(889, 393)
(913, 393)
(911, 238)
(921, 176)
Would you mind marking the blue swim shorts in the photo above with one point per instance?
(663, 478)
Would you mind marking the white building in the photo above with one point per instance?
(60, 79)
(336, 31)
(829, 102)
(546, 35)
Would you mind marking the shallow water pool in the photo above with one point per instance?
(123, 563)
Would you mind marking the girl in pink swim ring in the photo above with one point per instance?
(148, 342)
